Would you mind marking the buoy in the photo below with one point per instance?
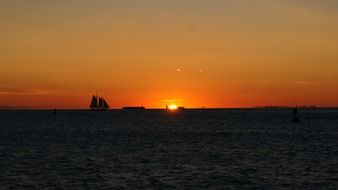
(295, 116)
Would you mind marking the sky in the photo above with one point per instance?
(193, 53)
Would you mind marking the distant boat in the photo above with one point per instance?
(98, 103)
(180, 108)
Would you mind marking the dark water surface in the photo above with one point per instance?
(151, 149)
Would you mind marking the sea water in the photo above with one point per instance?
(155, 149)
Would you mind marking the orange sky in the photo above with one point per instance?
(57, 53)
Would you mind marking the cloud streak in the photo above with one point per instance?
(4, 91)
(307, 83)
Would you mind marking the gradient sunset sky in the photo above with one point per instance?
(194, 53)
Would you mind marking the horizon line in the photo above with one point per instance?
(192, 108)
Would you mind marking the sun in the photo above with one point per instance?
(172, 107)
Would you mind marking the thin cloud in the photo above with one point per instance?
(23, 92)
(306, 83)
(9, 107)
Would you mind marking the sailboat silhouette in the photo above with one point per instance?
(98, 103)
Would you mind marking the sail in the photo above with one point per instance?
(98, 103)
(105, 105)
(101, 100)
(93, 104)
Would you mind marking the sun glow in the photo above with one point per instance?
(172, 107)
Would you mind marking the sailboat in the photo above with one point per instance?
(98, 103)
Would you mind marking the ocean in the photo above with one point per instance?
(153, 149)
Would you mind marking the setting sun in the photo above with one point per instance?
(172, 107)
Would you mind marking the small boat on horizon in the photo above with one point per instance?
(98, 104)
